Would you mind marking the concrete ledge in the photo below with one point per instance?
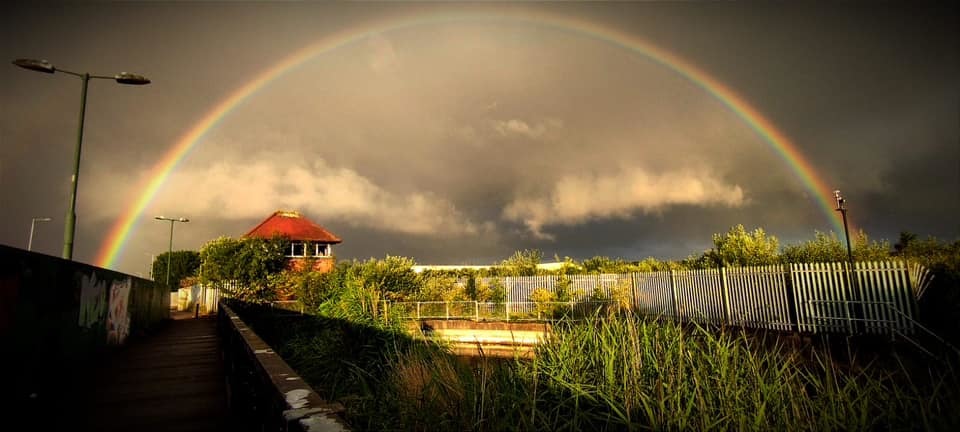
(290, 401)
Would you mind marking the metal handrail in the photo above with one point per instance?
(510, 309)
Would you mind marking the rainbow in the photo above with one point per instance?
(119, 233)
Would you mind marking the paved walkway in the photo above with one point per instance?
(170, 381)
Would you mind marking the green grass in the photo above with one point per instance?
(620, 373)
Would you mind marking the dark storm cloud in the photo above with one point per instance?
(463, 142)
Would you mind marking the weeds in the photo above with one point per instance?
(620, 373)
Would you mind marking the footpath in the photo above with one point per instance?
(172, 380)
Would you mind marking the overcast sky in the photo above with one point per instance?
(463, 141)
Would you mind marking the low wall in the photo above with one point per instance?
(485, 339)
(57, 316)
(264, 390)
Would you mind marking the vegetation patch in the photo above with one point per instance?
(612, 373)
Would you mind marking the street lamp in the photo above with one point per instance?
(122, 78)
(32, 224)
(170, 250)
(842, 208)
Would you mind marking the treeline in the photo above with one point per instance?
(255, 269)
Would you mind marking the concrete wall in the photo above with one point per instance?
(265, 393)
(57, 316)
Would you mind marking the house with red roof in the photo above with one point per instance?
(309, 242)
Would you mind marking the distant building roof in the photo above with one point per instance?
(421, 268)
(294, 226)
(541, 266)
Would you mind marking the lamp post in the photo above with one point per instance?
(170, 250)
(842, 208)
(32, 224)
(122, 78)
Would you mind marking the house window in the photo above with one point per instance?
(322, 250)
(297, 249)
(303, 249)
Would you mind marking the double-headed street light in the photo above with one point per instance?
(122, 78)
(32, 224)
(170, 250)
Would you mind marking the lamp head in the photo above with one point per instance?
(131, 78)
(840, 201)
(35, 65)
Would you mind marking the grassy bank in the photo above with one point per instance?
(624, 373)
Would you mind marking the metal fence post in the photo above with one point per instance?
(726, 296)
(476, 306)
(673, 293)
(418, 310)
(508, 291)
(446, 306)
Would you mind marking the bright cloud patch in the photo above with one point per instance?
(578, 199)
(520, 127)
(227, 190)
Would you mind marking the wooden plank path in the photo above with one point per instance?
(169, 381)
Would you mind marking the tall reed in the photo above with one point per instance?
(615, 373)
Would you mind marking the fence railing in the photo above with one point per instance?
(872, 297)
(496, 311)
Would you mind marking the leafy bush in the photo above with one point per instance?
(522, 263)
(442, 288)
(738, 247)
(829, 248)
(543, 300)
(243, 268)
(183, 264)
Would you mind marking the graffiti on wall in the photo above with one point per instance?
(118, 316)
(93, 300)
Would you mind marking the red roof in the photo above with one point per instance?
(294, 226)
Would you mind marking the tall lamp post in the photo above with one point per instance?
(122, 78)
(842, 208)
(32, 224)
(170, 250)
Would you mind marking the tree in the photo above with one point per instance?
(651, 264)
(906, 238)
(522, 263)
(738, 247)
(183, 264)
(441, 287)
(829, 248)
(243, 268)
(393, 275)
(823, 248)
(602, 264)
(865, 249)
